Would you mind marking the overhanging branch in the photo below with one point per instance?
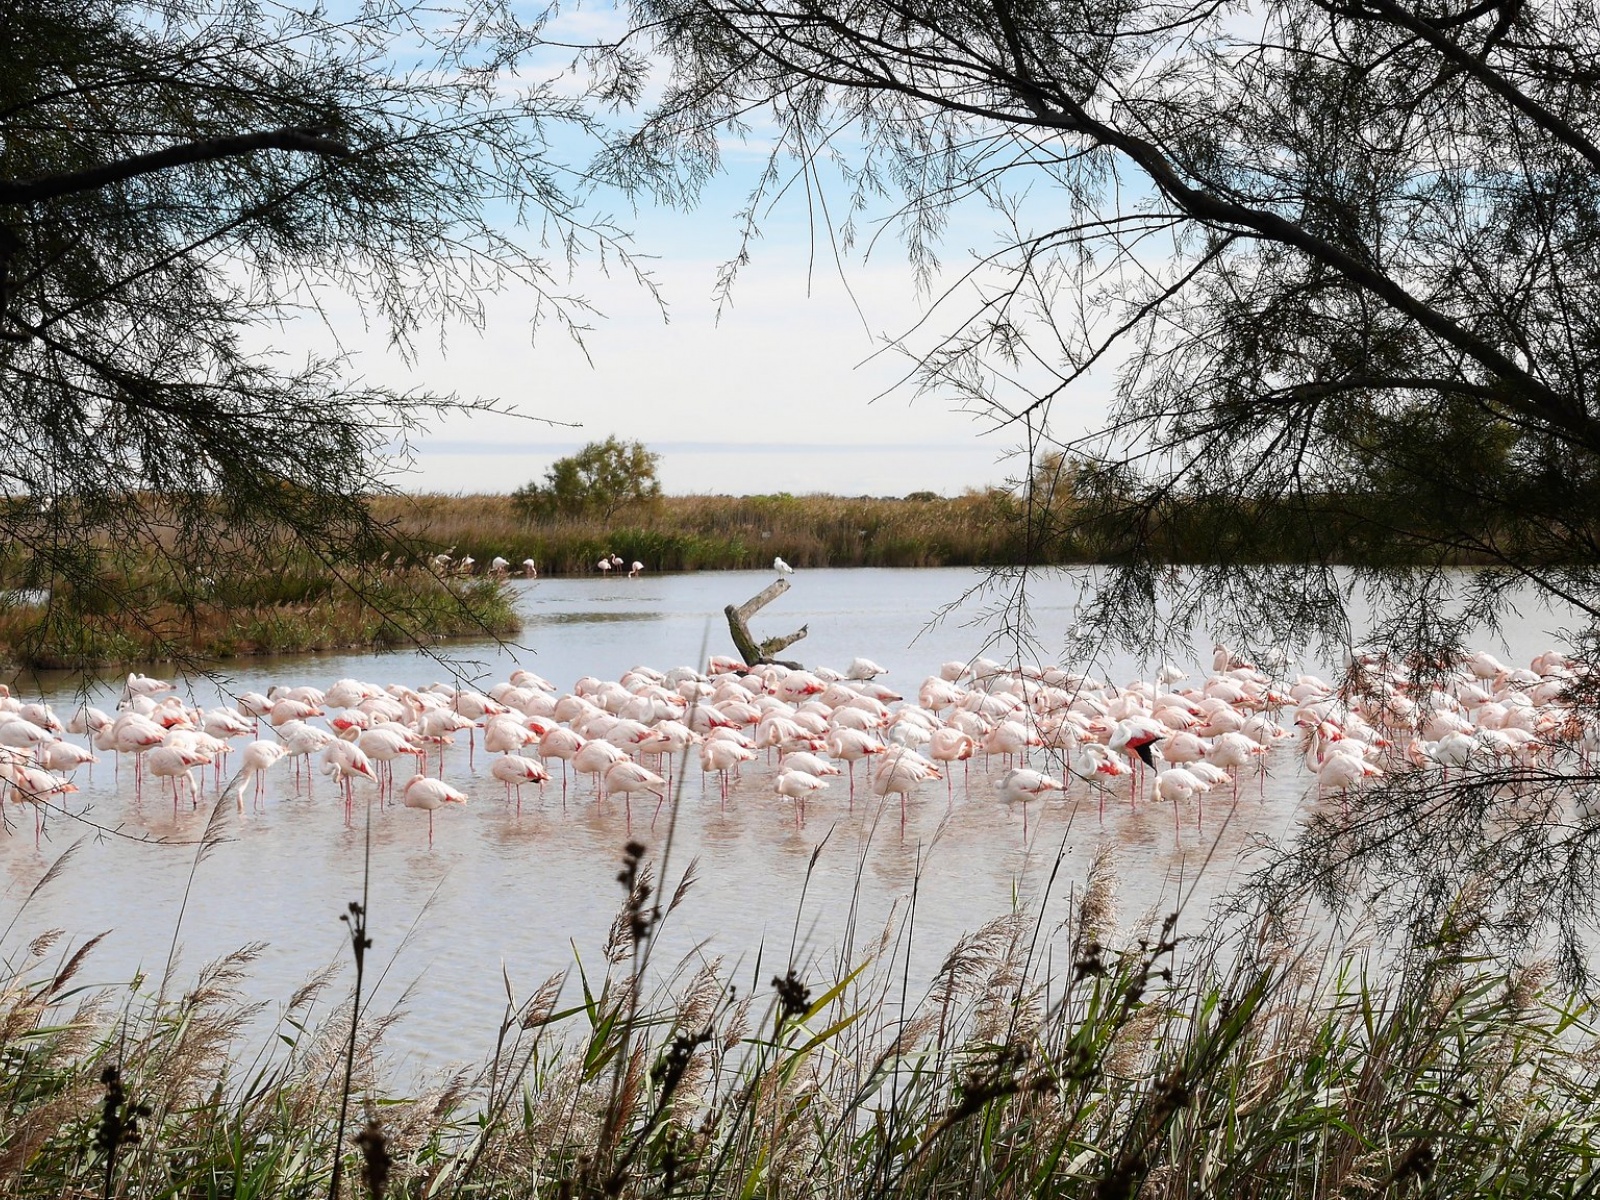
(51, 187)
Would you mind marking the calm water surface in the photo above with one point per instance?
(534, 893)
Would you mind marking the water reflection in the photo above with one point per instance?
(588, 617)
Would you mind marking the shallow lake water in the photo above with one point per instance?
(533, 893)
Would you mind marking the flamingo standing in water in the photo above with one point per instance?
(1023, 784)
(899, 773)
(174, 763)
(951, 745)
(723, 755)
(32, 785)
(563, 745)
(628, 777)
(383, 746)
(596, 758)
(255, 760)
(852, 745)
(64, 756)
(514, 770)
(137, 735)
(429, 794)
(1091, 762)
(797, 785)
(344, 761)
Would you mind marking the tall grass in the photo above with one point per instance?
(690, 533)
(1044, 1059)
(269, 612)
(994, 527)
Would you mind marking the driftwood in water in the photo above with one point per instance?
(738, 624)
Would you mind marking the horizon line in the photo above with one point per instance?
(483, 446)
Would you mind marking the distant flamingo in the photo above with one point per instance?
(596, 758)
(561, 744)
(345, 761)
(382, 746)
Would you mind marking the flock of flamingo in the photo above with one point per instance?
(1175, 740)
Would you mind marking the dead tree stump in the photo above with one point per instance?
(750, 650)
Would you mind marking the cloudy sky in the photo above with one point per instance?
(790, 388)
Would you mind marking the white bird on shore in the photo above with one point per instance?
(781, 567)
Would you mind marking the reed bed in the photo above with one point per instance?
(989, 528)
(150, 615)
(693, 533)
(1073, 1059)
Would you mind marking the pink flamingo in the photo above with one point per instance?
(429, 794)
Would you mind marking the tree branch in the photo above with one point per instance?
(1563, 131)
(51, 187)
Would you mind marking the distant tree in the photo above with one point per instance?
(602, 478)
(179, 178)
